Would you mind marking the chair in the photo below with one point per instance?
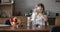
(55, 29)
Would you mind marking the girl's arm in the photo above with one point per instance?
(45, 18)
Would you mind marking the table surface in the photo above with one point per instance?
(9, 28)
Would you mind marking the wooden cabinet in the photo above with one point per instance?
(57, 21)
(22, 21)
(6, 9)
(51, 21)
(2, 20)
(57, 0)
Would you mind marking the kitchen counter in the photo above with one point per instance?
(53, 16)
(25, 29)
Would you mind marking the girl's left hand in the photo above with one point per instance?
(45, 18)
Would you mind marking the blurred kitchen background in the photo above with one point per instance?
(26, 6)
(9, 8)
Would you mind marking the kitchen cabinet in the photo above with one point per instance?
(22, 21)
(6, 9)
(51, 20)
(57, 21)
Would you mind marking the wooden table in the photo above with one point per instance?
(25, 29)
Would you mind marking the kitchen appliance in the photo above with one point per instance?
(57, 14)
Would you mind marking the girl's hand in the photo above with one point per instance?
(45, 18)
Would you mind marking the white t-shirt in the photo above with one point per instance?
(38, 20)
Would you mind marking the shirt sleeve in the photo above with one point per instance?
(33, 16)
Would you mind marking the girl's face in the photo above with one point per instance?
(39, 9)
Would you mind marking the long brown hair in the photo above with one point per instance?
(40, 4)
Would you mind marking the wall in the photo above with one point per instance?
(26, 5)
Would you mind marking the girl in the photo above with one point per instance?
(38, 18)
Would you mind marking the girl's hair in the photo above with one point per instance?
(40, 4)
